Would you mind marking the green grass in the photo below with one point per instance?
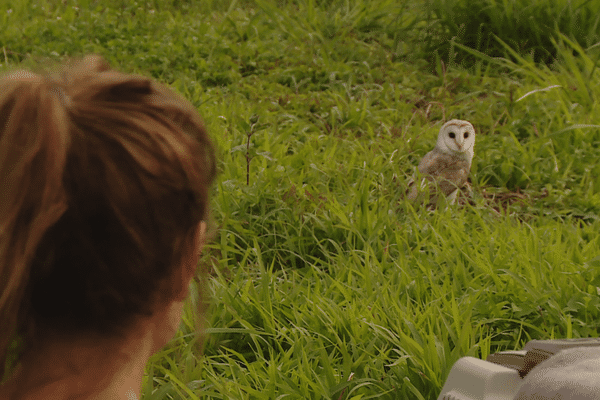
(326, 283)
(527, 25)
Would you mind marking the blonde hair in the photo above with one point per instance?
(104, 180)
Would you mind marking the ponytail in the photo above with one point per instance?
(34, 142)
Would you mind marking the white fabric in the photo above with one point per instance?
(571, 374)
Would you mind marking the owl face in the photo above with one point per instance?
(457, 136)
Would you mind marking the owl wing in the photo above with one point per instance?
(450, 172)
(424, 167)
(428, 164)
(454, 177)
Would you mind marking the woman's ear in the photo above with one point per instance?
(201, 236)
(188, 270)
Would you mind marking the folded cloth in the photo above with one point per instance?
(569, 374)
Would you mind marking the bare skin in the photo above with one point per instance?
(65, 366)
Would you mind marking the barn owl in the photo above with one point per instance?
(449, 163)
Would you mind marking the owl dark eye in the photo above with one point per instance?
(451, 134)
(466, 135)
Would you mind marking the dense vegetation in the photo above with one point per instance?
(325, 282)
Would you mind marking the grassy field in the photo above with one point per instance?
(325, 282)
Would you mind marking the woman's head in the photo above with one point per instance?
(104, 180)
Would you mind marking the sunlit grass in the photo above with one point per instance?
(325, 282)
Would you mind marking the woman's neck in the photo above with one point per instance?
(90, 367)
(86, 369)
